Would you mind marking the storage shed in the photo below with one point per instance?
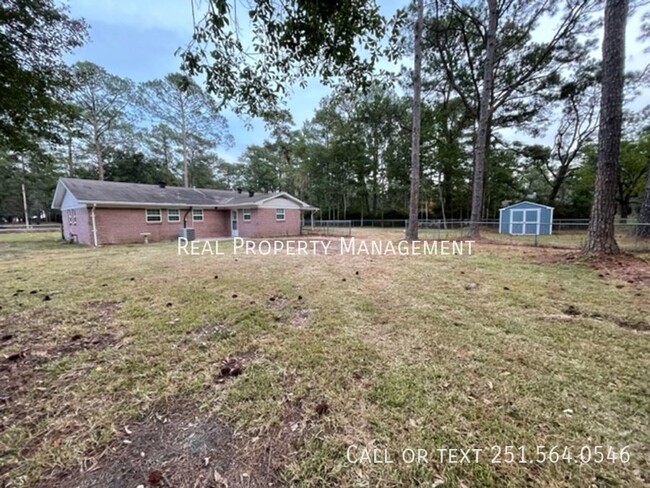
(526, 218)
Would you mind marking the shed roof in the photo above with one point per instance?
(138, 194)
(527, 202)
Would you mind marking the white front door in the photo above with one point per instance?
(234, 228)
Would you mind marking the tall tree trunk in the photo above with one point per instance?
(96, 140)
(167, 158)
(98, 149)
(186, 169)
(99, 156)
(70, 156)
(375, 188)
(442, 201)
(412, 230)
(557, 183)
(643, 229)
(485, 113)
(600, 238)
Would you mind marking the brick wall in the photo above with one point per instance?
(264, 224)
(124, 225)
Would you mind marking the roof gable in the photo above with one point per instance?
(525, 202)
(274, 196)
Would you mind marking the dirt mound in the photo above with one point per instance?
(551, 256)
(178, 446)
(624, 267)
(633, 324)
(639, 325)
(294, 312)
(166, 449)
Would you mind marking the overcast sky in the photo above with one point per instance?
(138, 39)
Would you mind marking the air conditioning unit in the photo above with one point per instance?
(187, 233)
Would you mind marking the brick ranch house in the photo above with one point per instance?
(106, 212)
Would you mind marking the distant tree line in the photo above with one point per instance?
(484, 78)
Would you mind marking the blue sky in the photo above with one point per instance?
(138, 38)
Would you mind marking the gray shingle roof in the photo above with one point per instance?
(111, 192)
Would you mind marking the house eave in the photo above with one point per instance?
(100, 204)
(57, 197)
(260, 204)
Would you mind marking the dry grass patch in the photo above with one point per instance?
(390, 352)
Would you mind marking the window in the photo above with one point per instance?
(197, 215)
(154, 215)
(247, 214)
(279, 214)
(69, 212)
(173, 215)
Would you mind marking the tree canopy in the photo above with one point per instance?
(286, 43)
(34, 37)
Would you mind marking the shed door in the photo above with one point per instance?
(516, 221)
(524, 221)
(532, 222)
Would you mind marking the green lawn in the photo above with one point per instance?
(115, 360)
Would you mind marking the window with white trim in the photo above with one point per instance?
(153, 215)
(173, 215)
(74, 216)
(197, 215)
(279, 214)
(69, 212)
(246, 212)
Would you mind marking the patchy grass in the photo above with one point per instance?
(123, 375)
(561, 239)
(16, 244)
(573, 239)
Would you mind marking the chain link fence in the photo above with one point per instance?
(566, 233)
(334, 228)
